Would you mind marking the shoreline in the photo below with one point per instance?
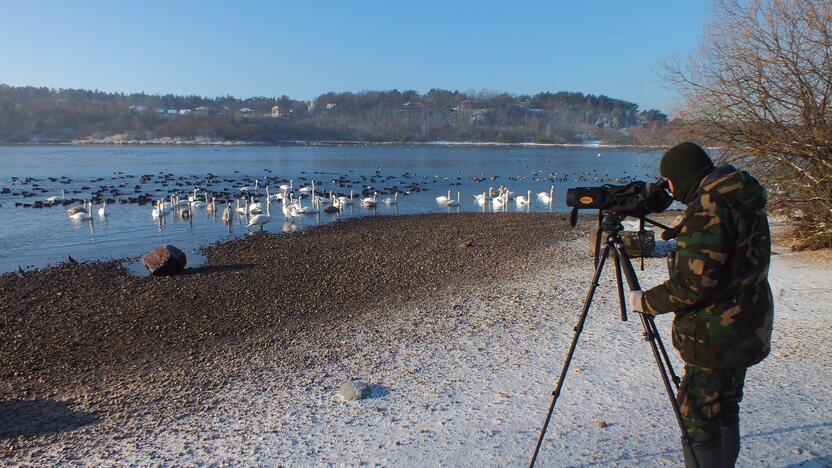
(326, 143)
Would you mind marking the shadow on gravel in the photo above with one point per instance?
(30, 418)
(377, 391)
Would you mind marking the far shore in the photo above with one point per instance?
(210, 142)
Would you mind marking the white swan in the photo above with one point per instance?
(226, 213)
(453, 202)
(261, 219)
(392, 201)
(242, 209)
(289, 209)
(369, 202)
(196, 202)
(442, 200)
(303, 210)
(498, 201)
(103, 210)
(521, 201)
(342, 200)
(545, 197)
(158, 211)
(83, 215)
(54, 199)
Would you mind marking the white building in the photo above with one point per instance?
(275, 112)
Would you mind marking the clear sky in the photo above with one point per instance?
(306, 48)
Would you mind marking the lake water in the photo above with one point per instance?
(32, 237)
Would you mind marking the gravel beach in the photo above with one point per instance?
(457, 323)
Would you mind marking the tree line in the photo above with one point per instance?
(33, 114)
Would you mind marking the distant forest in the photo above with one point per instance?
(30, 114)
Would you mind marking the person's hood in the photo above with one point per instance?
(739, 186)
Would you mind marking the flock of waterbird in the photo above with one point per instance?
(250, 198)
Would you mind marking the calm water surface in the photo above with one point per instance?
(31, 237)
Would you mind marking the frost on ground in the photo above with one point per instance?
(466, 379)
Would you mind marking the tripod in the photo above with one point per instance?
(610, 223)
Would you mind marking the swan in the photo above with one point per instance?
(302, 210)
(453, 202)
(289, 209)
(158, 211)
(242, 209)
(392, 201)
(83, 215)
(369, 202)
(261, 219)
(442, 200)
(498, 201)
(255, 207)
(545, 197)
(103, 210)
(212, 205)
(195, 202)
(54, 199)
(226, 213)
(342, 200)
(248, 188)
(76, 210)
(286, 188)
(480, 198)
(520, 200)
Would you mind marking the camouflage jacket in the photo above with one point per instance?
(719, 288)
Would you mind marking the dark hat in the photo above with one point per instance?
(686, 164)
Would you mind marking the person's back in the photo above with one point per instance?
(725, 244)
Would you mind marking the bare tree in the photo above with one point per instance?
(760, 84)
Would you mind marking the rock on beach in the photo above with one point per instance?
(165, 260)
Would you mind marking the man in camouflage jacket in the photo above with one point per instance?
(719, 293)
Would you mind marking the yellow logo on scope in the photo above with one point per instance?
(586, 200)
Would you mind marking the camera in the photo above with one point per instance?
(637, 199)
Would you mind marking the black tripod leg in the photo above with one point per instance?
(620, 286)
(675, 378)
(578, 328)
(651, 336)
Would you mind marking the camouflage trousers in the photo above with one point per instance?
(708, 397)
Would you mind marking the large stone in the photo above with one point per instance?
(355, 390)
(165, 260)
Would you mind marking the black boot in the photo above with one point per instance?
(730, 439)
(708, 456)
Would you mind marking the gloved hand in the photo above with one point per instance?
(635, 301)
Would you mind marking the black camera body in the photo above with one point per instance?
(637, 199)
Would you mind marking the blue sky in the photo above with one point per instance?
(306, 48)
